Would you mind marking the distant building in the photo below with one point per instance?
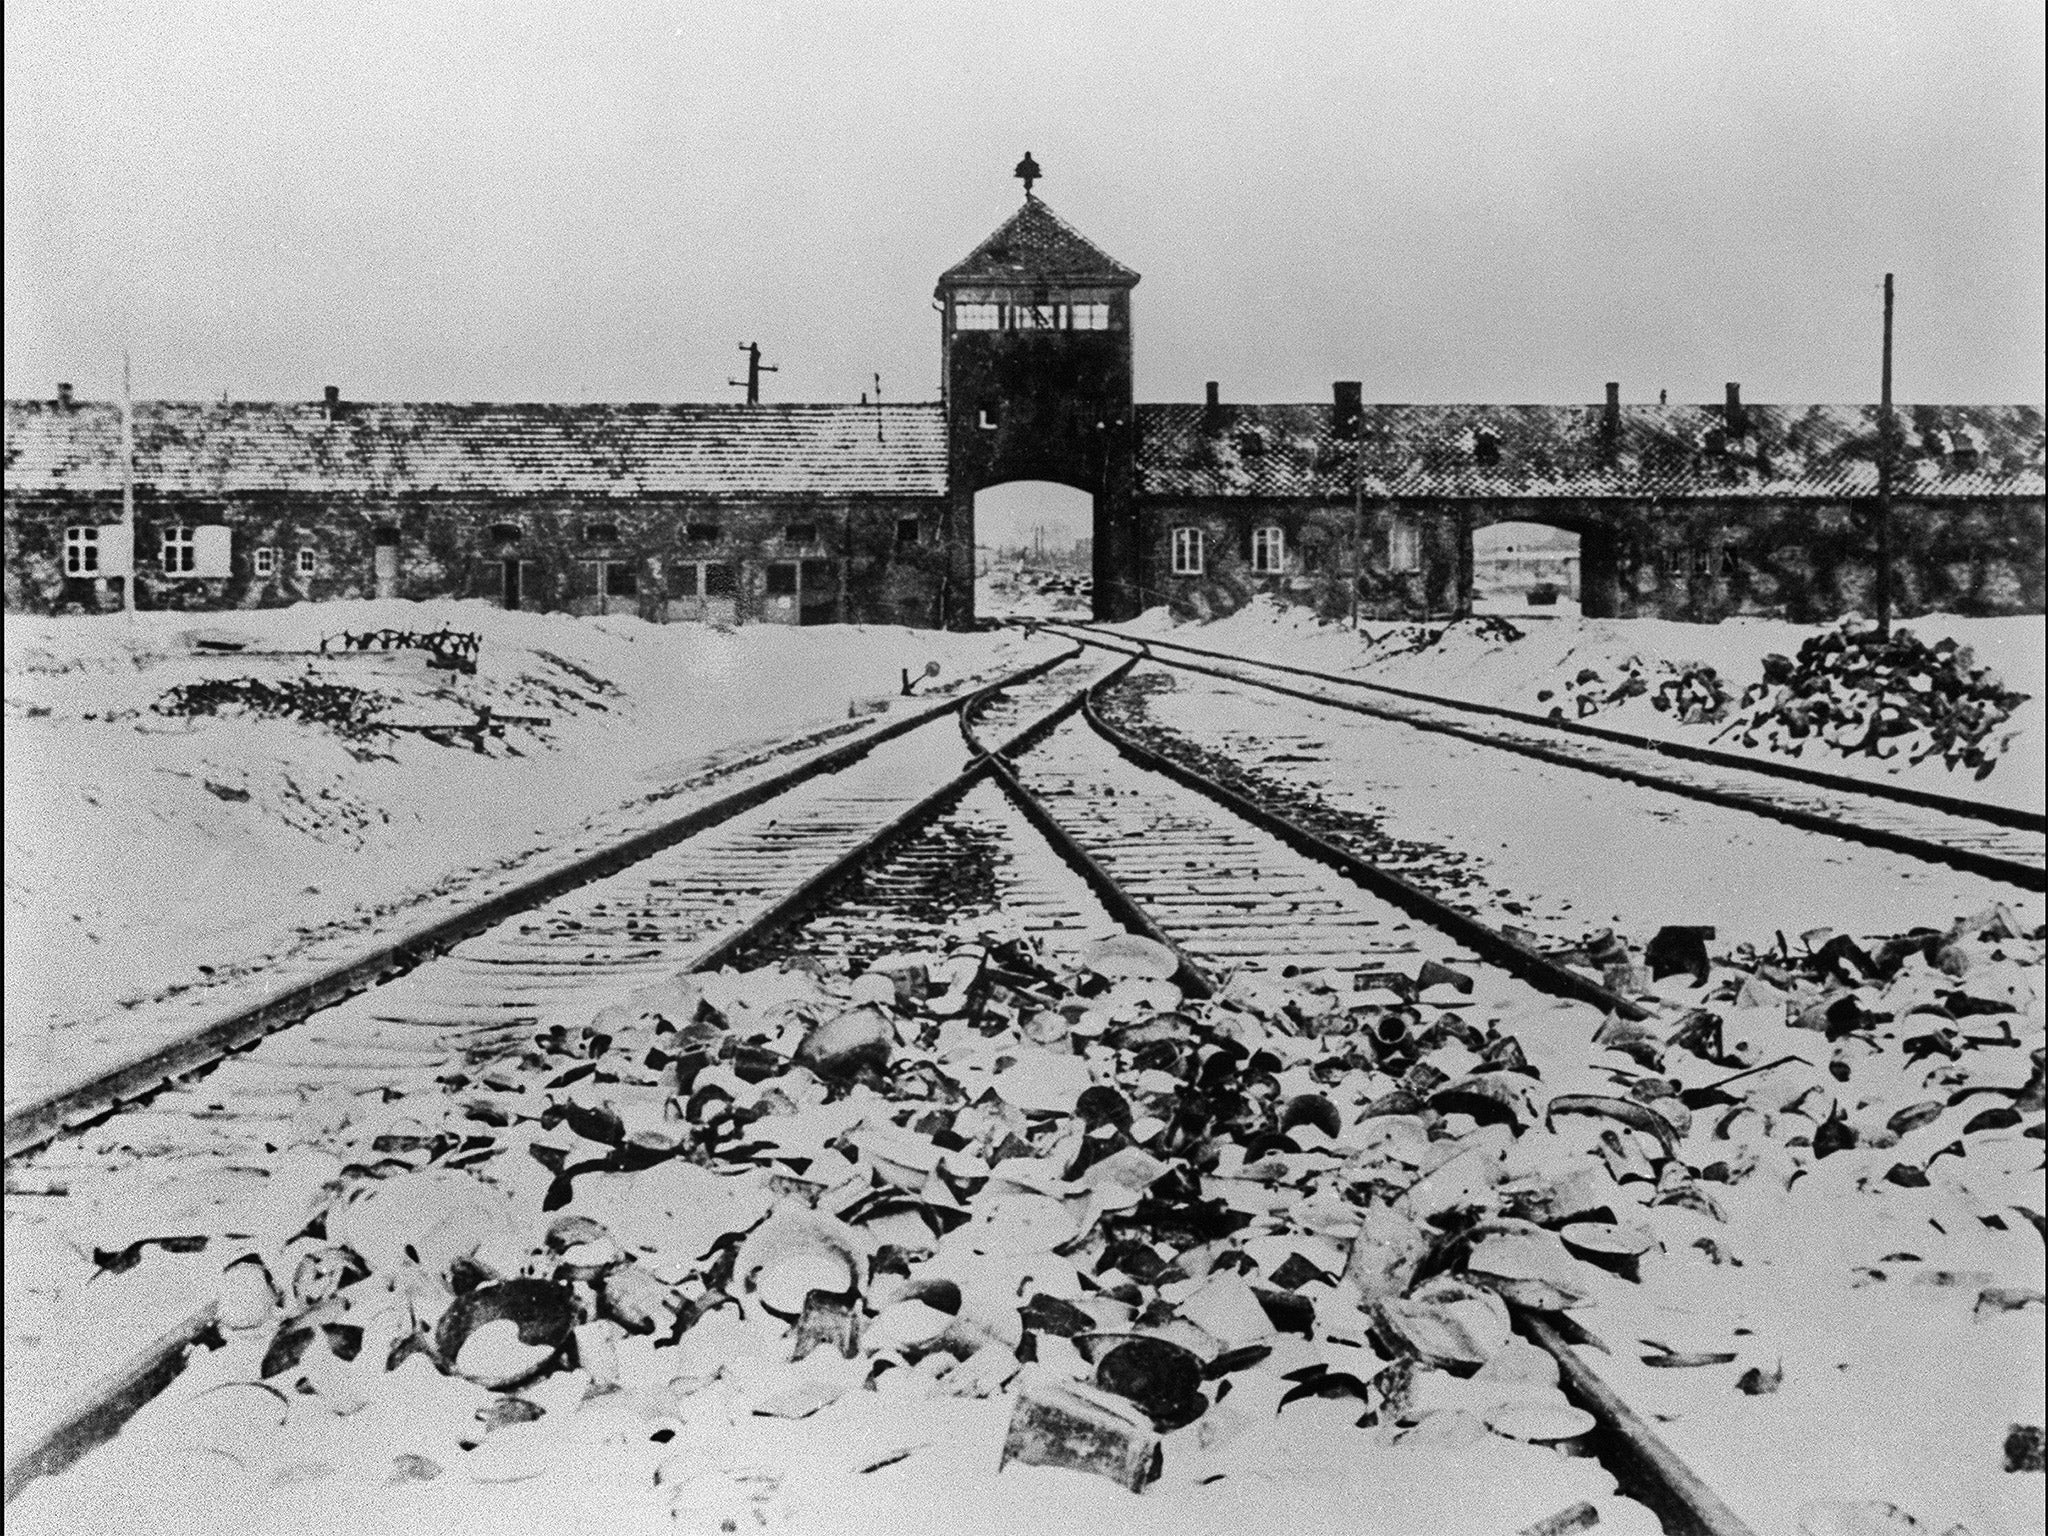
(820, 513)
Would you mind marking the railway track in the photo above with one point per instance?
(866, 859)
(1993, 841)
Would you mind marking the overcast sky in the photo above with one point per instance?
(562, 201)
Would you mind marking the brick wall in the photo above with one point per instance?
(856, 555)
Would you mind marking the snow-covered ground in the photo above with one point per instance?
(1470, 664)
(146, 852)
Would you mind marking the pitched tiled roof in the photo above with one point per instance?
(1036, 245)
(618, 450)
(1809, 451)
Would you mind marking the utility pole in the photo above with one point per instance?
(1886, 437)
(755, 368)
(127, 489)
(1357, 519)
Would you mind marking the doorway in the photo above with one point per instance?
(514, 582)
(1033, 551)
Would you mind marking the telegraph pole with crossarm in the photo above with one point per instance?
(755, 368)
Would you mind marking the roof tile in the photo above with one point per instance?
(610, 450)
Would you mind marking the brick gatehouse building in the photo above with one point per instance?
(865, 513)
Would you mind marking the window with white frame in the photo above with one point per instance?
(1404, 545)
(306, 562)
(266, 562)
(1269, 550)
(1034, 317)
(1187, 551)
(180, 552)
(977, 317)
(1088, 317)
(82, 551)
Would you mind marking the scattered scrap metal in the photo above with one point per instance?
(1178, 1236)
(450, 649)
(347, 711)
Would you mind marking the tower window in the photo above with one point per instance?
(1269, 550)
(977, 317)
(1485, 449)
(1187, 551)
(1088, 317)
(1034, 317)
(81, 551)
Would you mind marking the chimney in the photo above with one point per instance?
(1212, 409)
(1610, 424)
(63, 397)
(331, 409)
(1737, 424)
(1348, 408)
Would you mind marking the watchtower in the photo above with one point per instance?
(1036, 346)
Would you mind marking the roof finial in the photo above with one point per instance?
(1027, 172)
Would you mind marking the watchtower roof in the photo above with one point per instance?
(1036, 245)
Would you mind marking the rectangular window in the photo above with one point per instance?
(600, 533)
(621, 578)
(1089, 317)
(1269, 550)
(179, 556)
(307, 560)
(266, 562)
(702, 533)
(976, 317)
(682, 578)
(81, 551)
(782, 578)
(1404, 545)
(505, 533)
(1187, 551)
(800, 533)
(907, 530)
(1034, 317)
(719, 580)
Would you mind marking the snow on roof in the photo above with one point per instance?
(372, 448)
(1805, 451)
(1036, 245)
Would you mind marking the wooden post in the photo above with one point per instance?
(128, 489)
(1885, 437)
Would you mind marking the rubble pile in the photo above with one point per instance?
(986, 1236)
(1855, 692)
(1692, 692)
(347, 711)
